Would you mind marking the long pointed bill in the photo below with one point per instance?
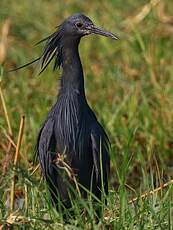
(99, 31)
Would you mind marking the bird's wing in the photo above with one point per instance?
(46, 147)
(47, 157)
(100, 152)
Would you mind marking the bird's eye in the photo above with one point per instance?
(79, 24)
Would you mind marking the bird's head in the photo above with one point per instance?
(79, 25)
(73, 28)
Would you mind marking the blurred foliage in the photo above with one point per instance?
(128, 82)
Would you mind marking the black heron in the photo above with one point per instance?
(72, 144)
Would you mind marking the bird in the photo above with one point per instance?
(72, 146)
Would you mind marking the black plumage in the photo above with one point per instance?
(72, 145)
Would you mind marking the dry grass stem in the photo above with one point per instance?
(146, 9)
(10, 139)
(151, 192)
(26, 197)
(5, 111)
(61, 161)
(163, 16)
(36, 168)
(19, 140)
(4, 40)
(8, 149)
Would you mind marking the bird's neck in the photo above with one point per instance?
(72, 76)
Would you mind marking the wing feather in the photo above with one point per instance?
(101, 160)
(46, 147)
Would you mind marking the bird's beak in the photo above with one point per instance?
(96, 30)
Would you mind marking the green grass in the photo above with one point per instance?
(128, 85)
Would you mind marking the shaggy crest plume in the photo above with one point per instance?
(52, 49)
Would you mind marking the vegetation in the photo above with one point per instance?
(128, 84)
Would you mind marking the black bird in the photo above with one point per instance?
(72, 146)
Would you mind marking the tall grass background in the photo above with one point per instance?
(129, 85)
